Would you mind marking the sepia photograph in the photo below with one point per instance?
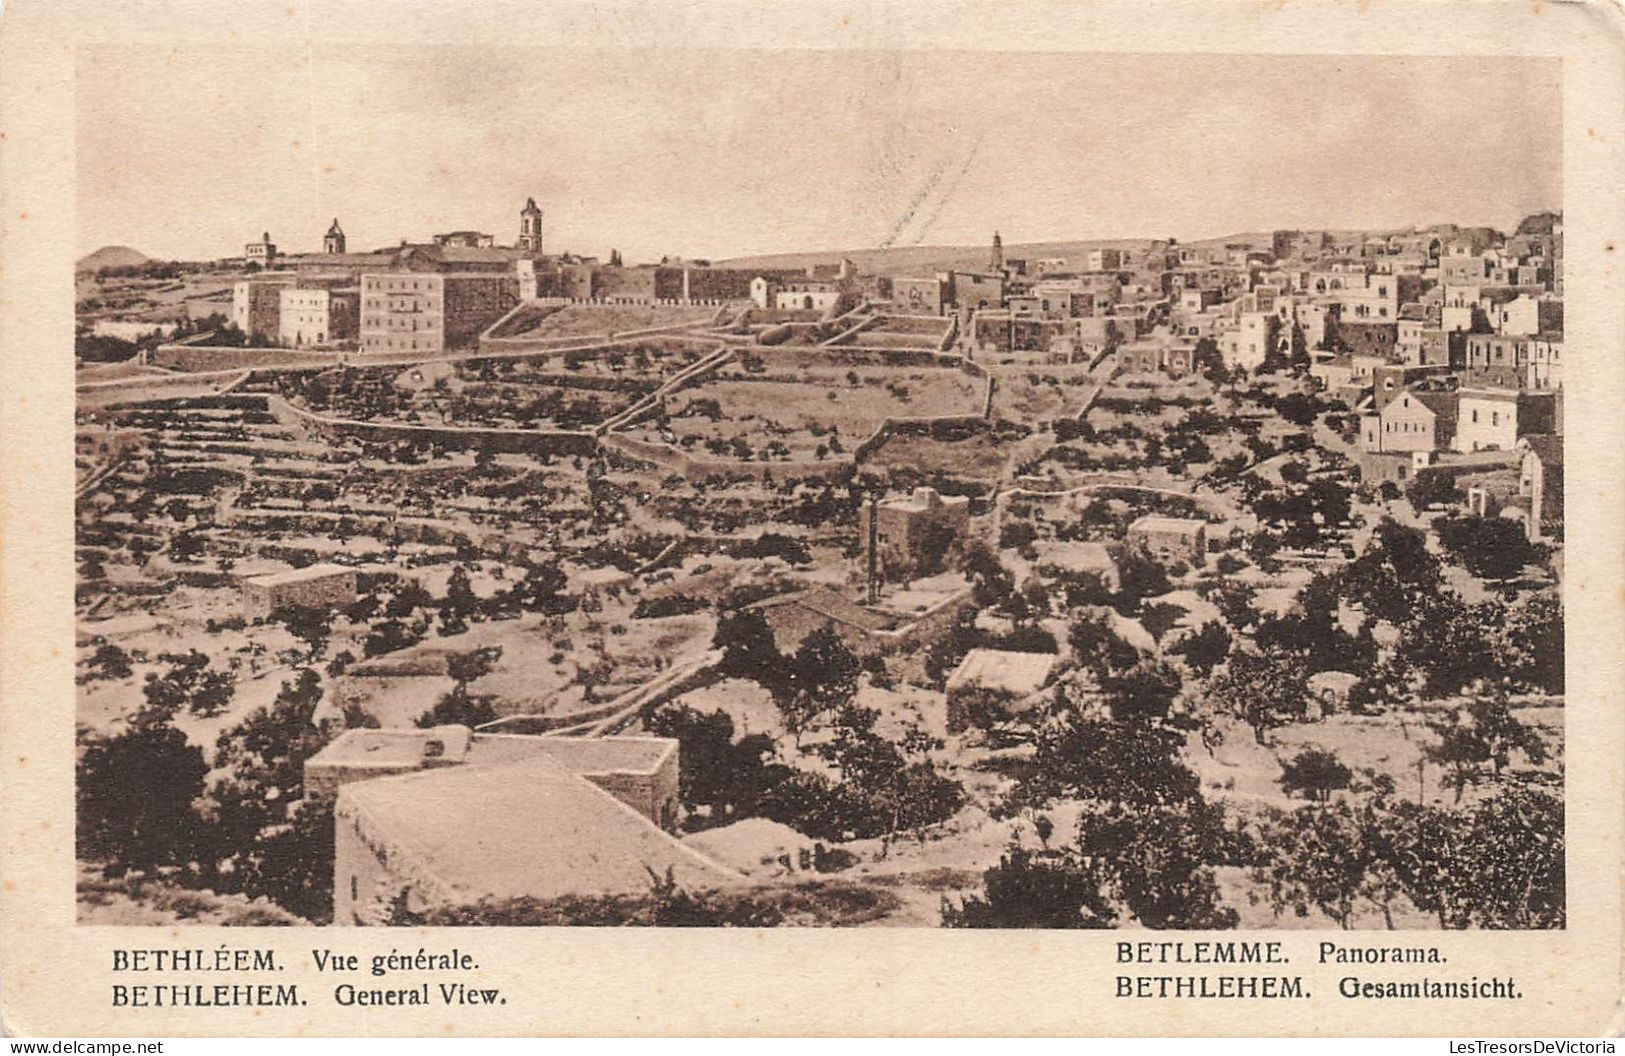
(758, 488)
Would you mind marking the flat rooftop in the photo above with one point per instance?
(393, 749)
(523, 829)
(585, 756)
(299, 575)
(1015, 673)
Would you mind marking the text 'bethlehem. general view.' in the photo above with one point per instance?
(1142, 581)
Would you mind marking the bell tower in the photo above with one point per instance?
(334, 242)
(530, 228)
(995, 259)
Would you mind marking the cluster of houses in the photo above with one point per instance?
(1446, 340)
(1413, 297)
(435, 296)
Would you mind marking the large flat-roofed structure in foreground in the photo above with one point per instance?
(447, 817)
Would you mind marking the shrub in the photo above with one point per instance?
(1030, 889)
(1315, 773)
(669, 605)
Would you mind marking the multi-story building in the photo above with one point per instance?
(1251, 342)
(1368, 337)
(1463, 268)
(1495, 419)
(977, 290)
(907, 535)
(1415, 421)
(920, 296)
(431, 311)
(262, 253)
(1515, 361)
(1525, 315)
(1376, 300)
(318, 316)
(256, 306)
(1408, 341)
(1440, 347)
(1545, 363)
(1389, 380)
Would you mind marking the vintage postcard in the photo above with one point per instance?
(642, 518)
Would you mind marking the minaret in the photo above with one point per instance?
(530, 228)
(334, 242)
(996, 260)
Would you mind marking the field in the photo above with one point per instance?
(1041, 394)
(193, 296)
(588, 320)
(792, 416)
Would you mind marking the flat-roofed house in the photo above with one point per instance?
(1078, 557)
(325, 586)
(793, 616)
(910, 534)
(1494, 419)
(923, 296)
(459, 836)
(1006, 677)
(1178, 537)
(363, 754)
(639, 771)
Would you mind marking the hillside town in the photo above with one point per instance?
(1133, 583)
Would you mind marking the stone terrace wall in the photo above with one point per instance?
(692, 467)
(203, 358)
(501, 441)
(852, 356)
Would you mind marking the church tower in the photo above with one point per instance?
(334, 242)
(530, 228)
(996, 259)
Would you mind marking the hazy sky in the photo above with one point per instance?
(190, 153)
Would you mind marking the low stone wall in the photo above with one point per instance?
(692, 467)
(852, 356)
(204, 358)
(463, 438)
(891, 427)
(109, 394)
(493, 342)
